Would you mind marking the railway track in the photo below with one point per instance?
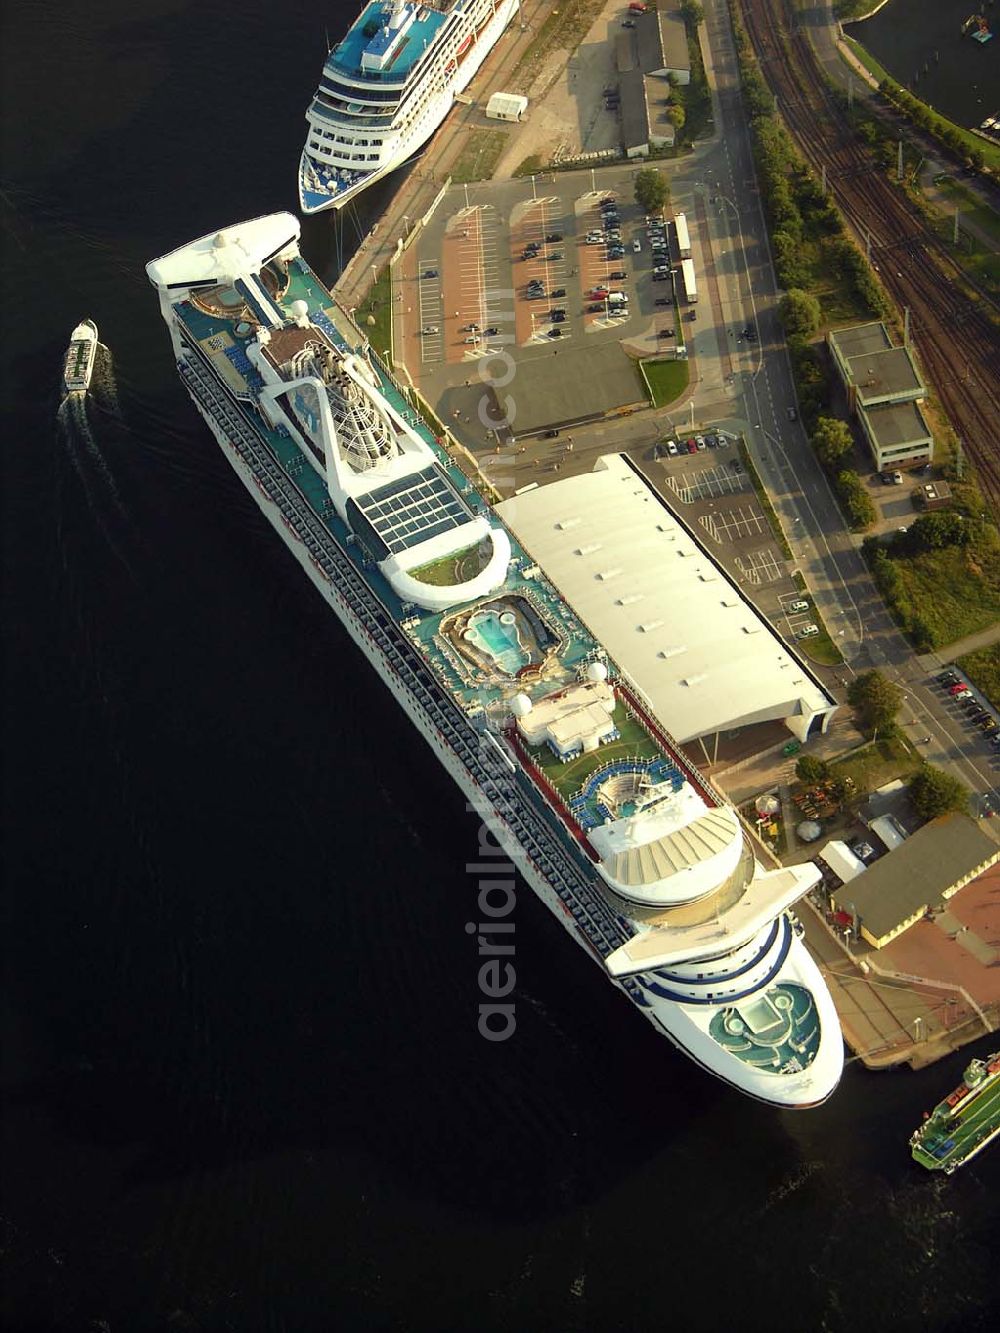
(958, 345)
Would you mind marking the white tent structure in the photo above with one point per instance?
(506, 106)
(842, 861)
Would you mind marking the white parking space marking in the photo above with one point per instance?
(429, 304)
(741, 522)
(704, 485)
(760, 567)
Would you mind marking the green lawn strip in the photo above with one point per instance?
(822, 649)
(478, 158)
(378, 305)
(530, 166)
(665, 380)
(875, 764)
(983, 669)
(764, 501)
(971, 207)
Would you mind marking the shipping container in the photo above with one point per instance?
(690, 286)
(683, 239)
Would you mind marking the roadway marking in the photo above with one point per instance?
(430, 313)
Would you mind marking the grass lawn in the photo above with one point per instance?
(983, 669)
(569, 778)
(875, 764)
(981, 261)
(378, 304)
(955, 591)
(479, 157)
(530, 166)
(665, 380)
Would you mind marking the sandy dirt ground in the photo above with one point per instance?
(566, 112)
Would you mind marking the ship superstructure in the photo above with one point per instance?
(964, 1123)
(79, 363)
(387, 87)
(639, 857)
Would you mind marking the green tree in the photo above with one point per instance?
(799, 313)
(832, 440)
(932, 532)
(811, 769)
(651, 190)
(935, 792)
(676, 115)
(876, 699)
(692, 11)
(856, 501)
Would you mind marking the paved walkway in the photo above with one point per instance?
(970, 644)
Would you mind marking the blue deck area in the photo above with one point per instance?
(346, 59)
(304, 285)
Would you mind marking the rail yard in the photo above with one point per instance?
(957, 342)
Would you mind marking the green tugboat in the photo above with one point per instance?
(964, 1123)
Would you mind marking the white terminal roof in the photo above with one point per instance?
(666, 613)
(842, 861)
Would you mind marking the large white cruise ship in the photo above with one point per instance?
(638, 856)
(386, 88)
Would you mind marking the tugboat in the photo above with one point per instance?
(79, 364)
(964, 1123)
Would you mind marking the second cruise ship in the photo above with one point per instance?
(386, 88)
(638, 856)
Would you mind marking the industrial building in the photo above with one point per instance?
(647, 57)
(884, 390)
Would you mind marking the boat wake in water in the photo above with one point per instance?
(90, 465)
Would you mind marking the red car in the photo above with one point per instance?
(960, 688)
(691, 446)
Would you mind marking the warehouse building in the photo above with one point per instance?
(922, 872)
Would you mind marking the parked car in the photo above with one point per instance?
(558, 317)
(594, 309)
(551, 434)
(618, 275)
(430, 272)
(637, 246)
(807, 631)
(897, 479)
(555, 333)
(558, 291)
(554, 236)
(798, 605)
(792, 414)
(672, 447)
(663, 300)
(666, 333)
(556, 254)
(723, 442)
(701, 442)
(491, 332)
(691, 446)
(428, 329)
(947, 678)
(692, 315)
(961, 693)
(959, 687)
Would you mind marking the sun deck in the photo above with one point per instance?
(348, 57)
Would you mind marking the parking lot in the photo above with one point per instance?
(507, 265)
(974, 713)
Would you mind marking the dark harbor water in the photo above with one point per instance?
(243, 1088)
(921, 44)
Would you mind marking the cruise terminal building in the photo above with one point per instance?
(684, 635)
